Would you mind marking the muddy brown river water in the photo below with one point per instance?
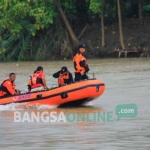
(127, 82)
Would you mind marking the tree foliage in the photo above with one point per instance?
(17, 14)
(35, 30)
(95, 6)
(147, 7)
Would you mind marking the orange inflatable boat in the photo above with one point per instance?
(70, 95)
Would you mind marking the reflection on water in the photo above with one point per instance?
(127, 81)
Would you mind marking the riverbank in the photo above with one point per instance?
(136, 38)
(135, 33)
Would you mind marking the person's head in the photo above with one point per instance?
(64, 70)
(81, 48)
(39, 68)
(12, 77)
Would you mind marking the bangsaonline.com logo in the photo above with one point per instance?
(121, 111)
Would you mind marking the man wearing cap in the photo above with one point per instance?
(80, 64)
(64, 76)
(37, 80)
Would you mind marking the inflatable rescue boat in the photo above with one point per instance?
(74, 94)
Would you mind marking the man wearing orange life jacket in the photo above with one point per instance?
(64, 76)
(80, 64)
(7, 87)
(37, 80)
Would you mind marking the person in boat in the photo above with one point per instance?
(80, 64)
(64, 76)
(37, 80)
(7, 87)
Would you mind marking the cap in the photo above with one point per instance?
(64, 69)
(81, 46)
(39, 68)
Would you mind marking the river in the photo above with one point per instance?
(127, 82)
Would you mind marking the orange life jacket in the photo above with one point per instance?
(7, 87)
(62, 77)
(34, 81)
(80, 63)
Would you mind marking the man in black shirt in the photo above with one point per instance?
(64, 76)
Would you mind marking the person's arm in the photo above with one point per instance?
(9, 87)
(29, 88)
(17, 91)
(56, 75)
(42, 76)
(44, 82)
(29, 84)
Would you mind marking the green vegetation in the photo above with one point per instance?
(48, 29)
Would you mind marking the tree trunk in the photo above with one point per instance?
(83, 31)
(73, 37)
(122, 9)
(140, 10)
(120, 25)
(102, 23)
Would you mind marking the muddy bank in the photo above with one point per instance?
(136, 37)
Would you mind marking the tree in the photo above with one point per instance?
(15, 22)
(120, 25)
(146, 7)
(73, 37)
(16, 14)
(102, 24)
(98, 8)
(140, 10)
